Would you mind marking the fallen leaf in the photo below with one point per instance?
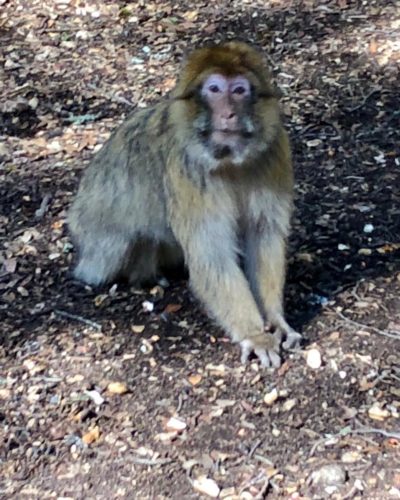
(91, 436)
(195, 379)
(137, 328)
(10, 265)
(172, 308)
(117, 388)
(378, 413)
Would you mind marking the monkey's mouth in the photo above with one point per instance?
(229, 143)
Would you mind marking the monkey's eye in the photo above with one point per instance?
(214, 89)
(238, 90)
(215, 85)
(240, 87)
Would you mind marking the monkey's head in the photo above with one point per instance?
(230, 113)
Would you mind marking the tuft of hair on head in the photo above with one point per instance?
(229, 59)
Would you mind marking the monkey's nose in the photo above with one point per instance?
(229, 120)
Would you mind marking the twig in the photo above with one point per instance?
(88, 322)
(375, 430)
(263, 492)
(362, 103)
(252, 481)
(373, 328)
(180, 403)
(263, 460)
(350, 494)
(43, 206)
(362, 430)
(254, 447)
(151, 461)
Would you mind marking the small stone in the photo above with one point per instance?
(289, 404)
(175, 424)
(349, 457)
(206, 486)
(377, 413)
(313, 359)
(271, 397)
(147, 306)
(329, 475)
(95, 397)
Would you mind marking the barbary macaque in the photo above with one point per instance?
(204, 176)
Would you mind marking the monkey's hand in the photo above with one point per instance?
(265, 346)
(292, 340)
(282, 330)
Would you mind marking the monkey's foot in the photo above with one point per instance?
(267, 357)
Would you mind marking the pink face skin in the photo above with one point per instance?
(224, 96)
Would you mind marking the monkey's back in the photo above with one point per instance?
(122, 189)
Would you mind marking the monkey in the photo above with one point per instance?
(203, 177)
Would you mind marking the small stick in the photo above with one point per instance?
(254, 447)
(373, 328)
(375, 430)
(373, 91)
(43, 207)
(88, 322)
(151, 461)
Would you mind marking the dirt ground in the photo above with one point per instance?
(102, 398)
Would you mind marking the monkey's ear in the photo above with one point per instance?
(271, 92)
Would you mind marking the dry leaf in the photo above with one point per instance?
(172, 308)
(91, 436)
(377, 413)
(195, 379)
(117, 388)
(10, 265)
(137, 328)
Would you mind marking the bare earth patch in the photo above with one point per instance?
(101, 397)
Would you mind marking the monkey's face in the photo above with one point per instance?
(227, 126)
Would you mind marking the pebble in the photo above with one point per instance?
(206, 486)
(329, 475)
(313, 359)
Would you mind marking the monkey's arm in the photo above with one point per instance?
(209, 242)
(267, 274)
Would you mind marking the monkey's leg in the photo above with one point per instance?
(140, 266)
(219, 282)
(265, 267)
(101, 257)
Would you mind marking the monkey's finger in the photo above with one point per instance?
(262, 355)
(293, 340)
(274, 358)
(246, 348)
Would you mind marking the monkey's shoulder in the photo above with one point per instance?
(150, 124)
